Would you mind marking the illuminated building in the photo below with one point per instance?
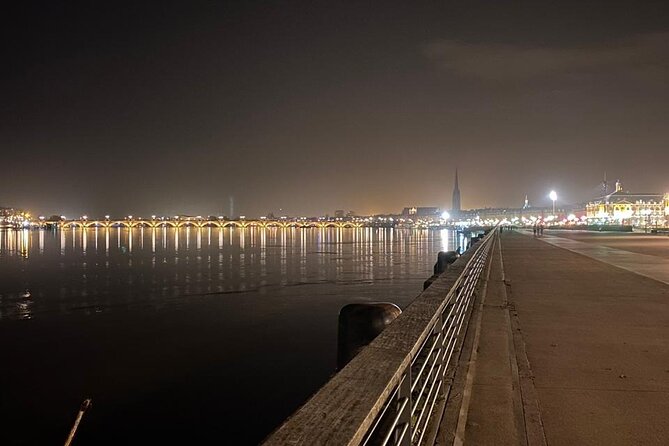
(14, 218)
(636, 209)
(421, 212)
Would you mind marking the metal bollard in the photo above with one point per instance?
(359, 324)
(429, 281)
(445, 258)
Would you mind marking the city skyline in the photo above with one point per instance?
(229, 210)
(309, 108)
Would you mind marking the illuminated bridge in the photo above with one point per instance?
(203, 223)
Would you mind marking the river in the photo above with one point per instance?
(184, 335)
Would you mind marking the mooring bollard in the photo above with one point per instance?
(474, 240)
(445, 258)
(429, 281)
(359, 324)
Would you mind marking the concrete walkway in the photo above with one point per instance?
(643, 264)
(571, 350)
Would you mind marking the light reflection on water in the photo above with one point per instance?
(96, 269)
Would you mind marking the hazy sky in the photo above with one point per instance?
(164, 107)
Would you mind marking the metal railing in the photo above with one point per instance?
(387, 394)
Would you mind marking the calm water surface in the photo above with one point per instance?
(184, 335)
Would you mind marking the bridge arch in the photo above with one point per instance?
(274, 224)
(73, 224)
(141, 223)
(232, 223)
(188, 223)
(211, 224)
(95, 224)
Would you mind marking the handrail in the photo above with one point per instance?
(387, 393)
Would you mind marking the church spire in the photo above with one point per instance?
(456, 207)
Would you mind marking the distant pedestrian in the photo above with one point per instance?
(534, 229)
(541, 229)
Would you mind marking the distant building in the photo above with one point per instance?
(10, 217)
(636, 209)
(510, 214)
(421, 212)
(456, 206)
(339, 213)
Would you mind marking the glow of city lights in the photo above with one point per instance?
(445, 215)
(553, 195)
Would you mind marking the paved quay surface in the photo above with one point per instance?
(572, 350)
(652, 244)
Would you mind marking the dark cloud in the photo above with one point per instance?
(646, 54)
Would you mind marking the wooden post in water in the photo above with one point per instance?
(84, 407)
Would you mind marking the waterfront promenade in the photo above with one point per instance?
(569, 344)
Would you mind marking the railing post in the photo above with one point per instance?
(442, 346)
(403, 429)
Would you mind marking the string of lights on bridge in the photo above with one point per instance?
(200, 222)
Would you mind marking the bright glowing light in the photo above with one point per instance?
(445, 215)
(553, 195)
(107, 217)
(571, 217)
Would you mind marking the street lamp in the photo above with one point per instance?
(553, 196)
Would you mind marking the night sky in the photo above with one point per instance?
(172, 107)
